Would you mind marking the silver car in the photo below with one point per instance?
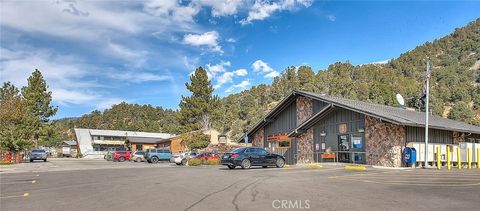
(38, 154)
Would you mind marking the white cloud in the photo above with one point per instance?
(231, 40)
(214, 70)
(222, 7)
(136, 57)
(261, 66)
(264, 9)
(209, 39)
(171, 9)
(226, 77)
(69, 78)
(136, 77)
(241, 86)
(272, 74)
(241, 72)
(332, 18)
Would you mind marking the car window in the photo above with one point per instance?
(38, 150)
(261, 151)
(237, 150)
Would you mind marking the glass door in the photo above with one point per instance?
(343, 148)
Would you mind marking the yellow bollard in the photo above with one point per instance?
(448, 158)
(469, 157)
(459, 161)
(478, 158)
(438, 158)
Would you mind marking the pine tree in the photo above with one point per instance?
(38, 100)
(196, 109)
(16, 123)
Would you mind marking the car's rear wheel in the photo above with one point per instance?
(231, 166)
(31, 160)
(45, 160)
(154, 160)
(264, 166)
(121, 159)
(280, 163)
(138, 160)
(184, 162)
(246, 164)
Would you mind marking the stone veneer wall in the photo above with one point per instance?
(305, 141)
(304, 109)
(258, 138)
(384, 142)
(458, 137)
(305, 147)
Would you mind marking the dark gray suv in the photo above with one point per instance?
(38, 154)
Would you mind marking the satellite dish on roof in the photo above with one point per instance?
(400, 100)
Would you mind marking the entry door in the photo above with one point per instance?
(344, 148)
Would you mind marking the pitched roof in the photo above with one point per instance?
(395, 115)
(390, 114)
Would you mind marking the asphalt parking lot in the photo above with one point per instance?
(141, 186)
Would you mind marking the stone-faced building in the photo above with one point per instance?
(304, 125)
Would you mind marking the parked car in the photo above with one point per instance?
(121, 156)
(155, 155)
(246, 157)
(182, 158)
(208, 156)
(138, 156)
(38, 154)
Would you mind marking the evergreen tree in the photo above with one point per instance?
(16, 123)
(38, 100)
(461, 112)
(196, 110)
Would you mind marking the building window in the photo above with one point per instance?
(284, 144)
(139, 147)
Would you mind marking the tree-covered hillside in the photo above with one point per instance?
(455, 91)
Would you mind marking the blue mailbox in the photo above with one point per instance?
(409, 155)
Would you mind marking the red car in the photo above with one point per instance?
(208, 156)
(121, 156)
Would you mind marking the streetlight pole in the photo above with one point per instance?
(427, 92)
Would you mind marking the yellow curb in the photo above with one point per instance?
(26, 194)
(314, 166)
(34, 181)
(356, 168)
(286, 166)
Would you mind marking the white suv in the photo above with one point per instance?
(182, 158)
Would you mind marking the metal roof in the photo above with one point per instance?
(390, 114)
(120, 133)
(144, 140)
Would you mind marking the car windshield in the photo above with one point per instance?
(38, 150)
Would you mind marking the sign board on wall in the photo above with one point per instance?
(342, 128)
(317, 147)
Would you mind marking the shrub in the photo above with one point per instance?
(213, 162)
(195, 162)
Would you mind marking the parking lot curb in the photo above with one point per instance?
(355, 168)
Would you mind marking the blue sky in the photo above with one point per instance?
(97, 53)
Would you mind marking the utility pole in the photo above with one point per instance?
(427, 92)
